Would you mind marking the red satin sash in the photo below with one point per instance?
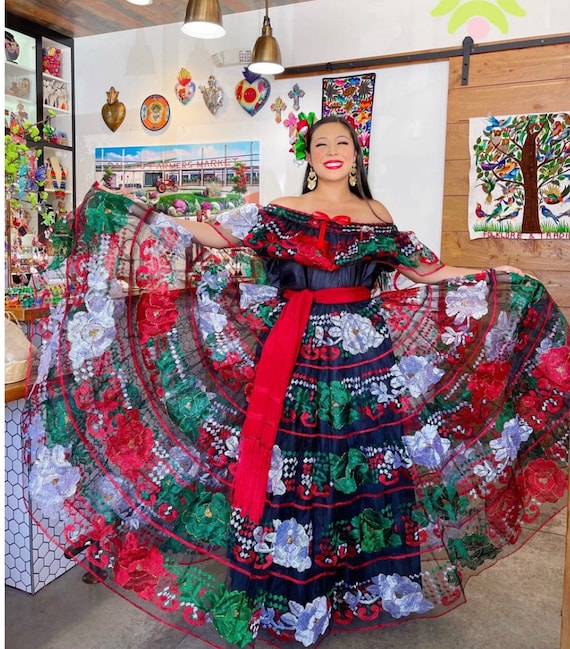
(273, 374)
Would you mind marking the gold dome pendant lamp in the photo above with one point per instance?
(266, 55)
(203, 19)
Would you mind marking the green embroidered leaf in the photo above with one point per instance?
(349, 470)
(472, 550)
(231, 616)
(106, 213)
(208, 517)
(375, 531)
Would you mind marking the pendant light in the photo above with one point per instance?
(142, 3)
(203, 19)
(266, 55)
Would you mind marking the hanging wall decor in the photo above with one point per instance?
(213, 95)
(185, 88)
(519, 179)
(278, 106)
(296, 94)
(252, 92)
(113, 111)
(155, 112)
(352, 98)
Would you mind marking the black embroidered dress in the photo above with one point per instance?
(417, 431)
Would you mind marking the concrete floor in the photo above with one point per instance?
(514, 605)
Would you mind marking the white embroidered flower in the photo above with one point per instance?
(426, 447)
(414, 373)
(515, 432)
(381, 392)
(400, 595)
(468, 301)
(453, 337)
(90, 332)
(51, 342)
(309, 621)
(291, 544)
(52, 480)
(486, 470)
(275, 484)
(211, 283)
(501, 339)
(232, 446)
(263, 540)
(356, 333)
(252, 294)
(209, 316)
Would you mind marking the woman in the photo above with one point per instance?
(303, 454)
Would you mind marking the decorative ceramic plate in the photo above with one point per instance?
(155, 112)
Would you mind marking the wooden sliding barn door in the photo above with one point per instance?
(531, 80)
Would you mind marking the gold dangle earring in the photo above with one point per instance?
(352, 178)
(311, 180)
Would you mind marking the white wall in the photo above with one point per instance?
(408, 129)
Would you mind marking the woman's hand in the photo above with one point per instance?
(514, 269)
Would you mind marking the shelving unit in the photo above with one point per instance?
(38, 82)
(39, 88)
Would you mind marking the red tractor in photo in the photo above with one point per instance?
(170, 183)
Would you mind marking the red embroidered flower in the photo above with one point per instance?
(465, 423)
(530, 319)
(156, 313)
(503, 510)
(138, 568)
(155, 266)
(84, 396)
(545, 480)
(309, 252)
(554, 368)
(130, 445)
(489, 381)
(112, 397)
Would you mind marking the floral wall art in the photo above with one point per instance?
(352, 98)
(519, 177)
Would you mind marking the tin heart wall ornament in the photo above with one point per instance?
(252, 92)
(213, 95)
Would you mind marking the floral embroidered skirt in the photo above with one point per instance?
(421, 430)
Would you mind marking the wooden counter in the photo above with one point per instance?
(18, 390)
(27, 314)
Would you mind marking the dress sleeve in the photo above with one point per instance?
(411, 253)
(239, 221)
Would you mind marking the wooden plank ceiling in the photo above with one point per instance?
(88, 17)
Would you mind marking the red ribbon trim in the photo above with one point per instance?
(273, 374)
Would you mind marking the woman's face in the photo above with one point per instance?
(332, 151)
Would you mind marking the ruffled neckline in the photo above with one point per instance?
(337, 219)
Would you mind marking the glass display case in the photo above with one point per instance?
(38, 91)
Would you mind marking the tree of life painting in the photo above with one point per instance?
(520, 176)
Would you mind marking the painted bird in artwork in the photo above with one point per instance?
(552, 194)
(481, 214)
(548, 214)
(509, 217)
(507, 170)
(488, 186)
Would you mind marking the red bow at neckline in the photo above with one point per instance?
(322, 220)
(343, 219)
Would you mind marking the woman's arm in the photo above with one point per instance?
(448, 272)
(202, 232)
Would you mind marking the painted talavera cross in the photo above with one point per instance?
(278, 106)
(296, 94)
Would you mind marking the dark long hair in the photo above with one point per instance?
(361, 189)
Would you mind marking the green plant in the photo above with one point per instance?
(24, 178)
